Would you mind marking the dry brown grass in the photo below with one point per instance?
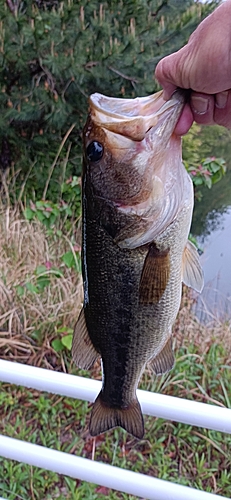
(189, 331)
(24, 245)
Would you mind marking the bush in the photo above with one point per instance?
(54, 54)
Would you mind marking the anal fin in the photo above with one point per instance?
(155, 275)
(192, 273)
(164, 361)
(83, 352)
(104, 417)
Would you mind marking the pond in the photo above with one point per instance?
(212, 228)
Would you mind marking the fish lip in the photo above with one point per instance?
(138, 106)
(178, 97)
(133, 118)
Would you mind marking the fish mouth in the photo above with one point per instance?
(133, 118)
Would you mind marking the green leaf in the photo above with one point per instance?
(214, 167)
(217, 177)
(40, 205)
(57, 345)
(75, 181)
(36, 335)
(68, 210)
(28, 213)
(208, 181)
(46, 214)
(57, 272)
(40, 270)
(40, 216)
(20, 290)
(197, 181)
(67, 341)
(68, 259)
(51, 220)
(55, 210)
(32, 288)
(43, 282)
(65, 329)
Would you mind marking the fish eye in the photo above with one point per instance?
(94, 151)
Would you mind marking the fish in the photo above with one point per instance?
(137, 203)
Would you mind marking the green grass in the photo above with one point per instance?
(33, 322)
(172, 451)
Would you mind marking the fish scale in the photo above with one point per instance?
(137, 210)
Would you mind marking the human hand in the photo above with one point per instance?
(204, 66)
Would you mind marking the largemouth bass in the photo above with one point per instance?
(137, 202)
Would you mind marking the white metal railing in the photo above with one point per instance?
(106, 475)
(159, 405)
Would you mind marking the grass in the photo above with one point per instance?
(32, 317)
(40, 295)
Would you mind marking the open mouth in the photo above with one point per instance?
(134, 117)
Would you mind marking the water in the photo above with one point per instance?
(215, 301)
(212, 228)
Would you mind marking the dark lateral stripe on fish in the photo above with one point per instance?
(104, 418)
(164, 361)
(155, 276)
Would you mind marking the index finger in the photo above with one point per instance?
(160, 76)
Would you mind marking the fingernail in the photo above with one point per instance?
(199, 104)
(221, 99)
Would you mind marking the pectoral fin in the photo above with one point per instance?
(155, 276)
(83, 352)
(164, 361)
(192, 273)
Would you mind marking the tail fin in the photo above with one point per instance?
(104, 417)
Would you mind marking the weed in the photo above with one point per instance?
(38, 284)
(40, 298)
(172, 451)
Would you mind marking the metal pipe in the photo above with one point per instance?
(157, 405)
(94, 472)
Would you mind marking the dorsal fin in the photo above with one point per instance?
(192, 273)
(104, 417)
(155, 275)
(164, 361)
(83, 352)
